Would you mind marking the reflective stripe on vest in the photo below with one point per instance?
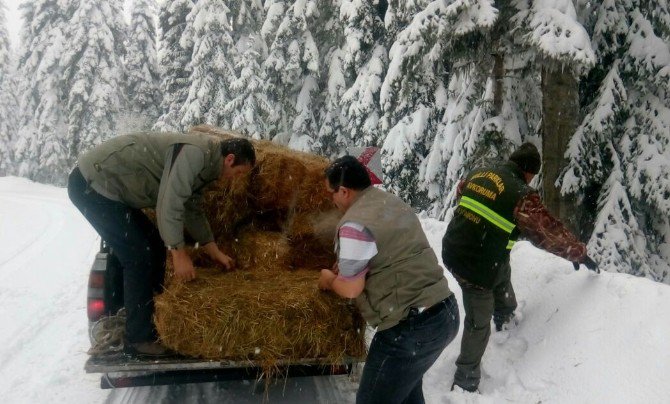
(487, 214)
(510, 244)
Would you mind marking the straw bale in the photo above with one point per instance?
(265, 317)
(284, 179)
(275, 219)
(313, 232)
(259, 250)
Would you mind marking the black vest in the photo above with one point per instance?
(483, 230)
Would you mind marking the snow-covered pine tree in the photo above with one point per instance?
(365, 61)
(292, 69)
(646, 145)
(563, 54)
(41, 151)
(413, 95)
(331, 139)
(450, 153)
(173, 61)
(624, 135)
(8, 101)
(617, 241)
(604, 99)
(141, 68)
(209, 33)
(248, 108)
(93, 71)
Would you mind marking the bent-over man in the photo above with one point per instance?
(166, 171)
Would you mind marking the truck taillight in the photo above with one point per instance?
(95, 309)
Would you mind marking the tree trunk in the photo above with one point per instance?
(498, 77)
(560, 118)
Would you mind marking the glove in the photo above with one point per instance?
(591, 265)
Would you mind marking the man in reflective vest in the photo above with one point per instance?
(496, 206)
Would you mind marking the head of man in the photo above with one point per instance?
(527, 158)
(239, 157)
(346, 177)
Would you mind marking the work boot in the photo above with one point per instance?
(457, 388)
(148, 349)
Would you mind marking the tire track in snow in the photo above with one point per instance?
(30, 248)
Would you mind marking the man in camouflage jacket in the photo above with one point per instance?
(497, 206)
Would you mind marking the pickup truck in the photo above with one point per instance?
(105, 299)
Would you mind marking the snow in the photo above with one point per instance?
(581, 337)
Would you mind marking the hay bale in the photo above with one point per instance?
(277, 218)
(258, 250)
(313, 232)
(265, 317)
(283, 179)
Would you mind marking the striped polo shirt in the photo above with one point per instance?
(356, 247)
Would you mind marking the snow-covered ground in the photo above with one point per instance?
(582, 338)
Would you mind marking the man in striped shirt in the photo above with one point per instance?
(386, 264)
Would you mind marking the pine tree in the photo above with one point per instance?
(9, 101)
(248, 108)
(41, 142)
(292, 70)
(332, 139)
(365, 60)
(174, 62)
(141, 68)
(414, 91)
(92, 69)
(618, 154)
(209, 33)
(617, 241)
(647, 142)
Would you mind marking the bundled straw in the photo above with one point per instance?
(268, 318)
(278, 224)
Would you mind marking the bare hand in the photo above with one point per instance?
(213, 251)
(226, 261)
(183, 266)
(326, 279)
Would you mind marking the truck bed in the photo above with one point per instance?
(120, 371)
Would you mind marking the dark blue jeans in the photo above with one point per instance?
(136, 244)
(399, 357)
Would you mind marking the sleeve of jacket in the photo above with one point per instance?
(178, 205)
(544, 231)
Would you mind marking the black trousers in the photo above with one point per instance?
(137, 245)
(399, 356)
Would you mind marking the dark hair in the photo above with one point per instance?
(241, 148)
(348, 172)
(527, 158)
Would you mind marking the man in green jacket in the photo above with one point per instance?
(497, 206)
(166, 171)
(386, 264)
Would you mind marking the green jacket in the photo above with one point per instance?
(140, 171)
(483, 230)
(405, 272)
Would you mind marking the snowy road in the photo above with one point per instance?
(582, 338)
